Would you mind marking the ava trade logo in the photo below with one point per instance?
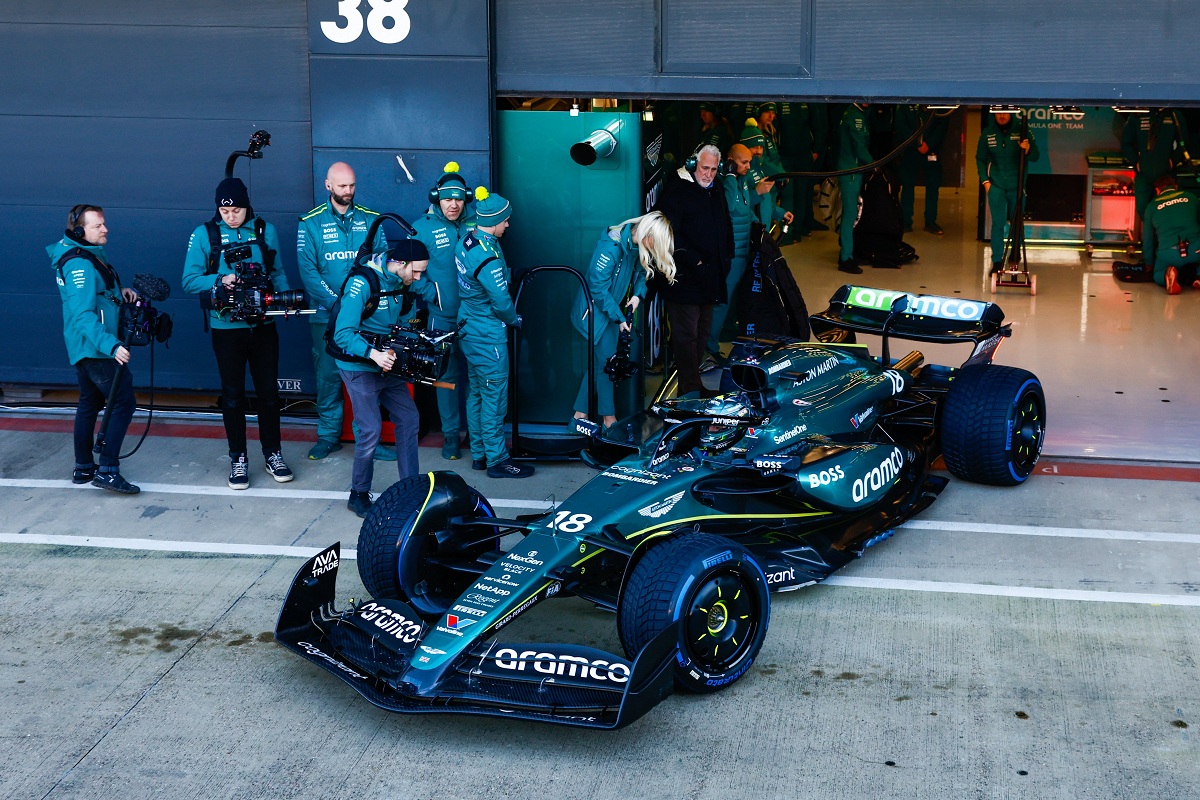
(457, 623)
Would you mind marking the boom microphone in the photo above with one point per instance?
(151, 287)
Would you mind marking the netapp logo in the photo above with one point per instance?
(493, 589)
(878, 478)
(562, 665)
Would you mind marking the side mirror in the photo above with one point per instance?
(676, 441)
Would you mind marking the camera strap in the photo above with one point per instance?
(215, 247)
(372, 278)
(107, 272)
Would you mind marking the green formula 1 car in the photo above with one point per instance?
(809, 454)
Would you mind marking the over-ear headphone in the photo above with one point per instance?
(434, 195)
(75, 218)
(691, 162)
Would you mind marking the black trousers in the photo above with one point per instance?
(689, 332)
(96, 377)
(257, 347)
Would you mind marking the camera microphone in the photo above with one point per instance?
(151, 287)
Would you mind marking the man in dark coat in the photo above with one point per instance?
(694, 202)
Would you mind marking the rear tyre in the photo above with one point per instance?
(714, 592)
(399, 555)
(993, 424)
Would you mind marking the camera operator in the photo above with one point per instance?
(91, 296)
(327, 240)
(486, 311)
(441, 229)
(369, 384)
(627, 255)
(237, 343)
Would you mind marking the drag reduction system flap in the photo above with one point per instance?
(928, 318)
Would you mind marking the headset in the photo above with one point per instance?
(75, 218)
(691, 162)
(434, 195)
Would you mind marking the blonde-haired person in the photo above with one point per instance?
(613, 276)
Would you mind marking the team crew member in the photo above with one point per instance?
(714, 129)
(327, 240)
(1171, 236)
(91, 295)
(922, 156)
(853, 151)
(236, 343)
(803, 129)
(486, 312)
(694, 203)
(369, 383)
(626, 256)
(441, 229)
(772, 164)
(998, 158)
(1154, 144)
(742, 201)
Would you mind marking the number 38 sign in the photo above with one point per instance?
(386, 21)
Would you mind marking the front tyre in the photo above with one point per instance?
(714, 592)
(993, 424)
(407, 549)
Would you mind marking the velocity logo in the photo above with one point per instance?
(457, 623)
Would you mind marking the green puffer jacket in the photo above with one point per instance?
(91, 310)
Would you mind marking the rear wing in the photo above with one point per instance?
(928, 318)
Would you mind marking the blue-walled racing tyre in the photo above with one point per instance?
(993, 424)
(714, 591)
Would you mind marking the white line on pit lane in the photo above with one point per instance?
(916, 524)
(222, 491)
(945, 587)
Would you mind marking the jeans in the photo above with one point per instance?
(96, 377)
(259, 348)
(367, 391)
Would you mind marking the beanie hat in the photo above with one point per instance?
(451, 185)
(767, 107)
(231, 192)
(408, 250)
(751, 135)
(491, 209)
(706, 106)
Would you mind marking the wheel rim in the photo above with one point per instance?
(1028, 428)
(721, 621)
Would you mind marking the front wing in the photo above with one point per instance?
(473, 684)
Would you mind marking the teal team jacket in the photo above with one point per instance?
(197, 280)
(326, 244)
(90, 309)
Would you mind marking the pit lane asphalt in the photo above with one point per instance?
(151, 674)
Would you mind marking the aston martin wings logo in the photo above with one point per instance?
(656, 510)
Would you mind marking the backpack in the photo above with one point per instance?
(107, 272)
(372, 278)
(215, 249)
